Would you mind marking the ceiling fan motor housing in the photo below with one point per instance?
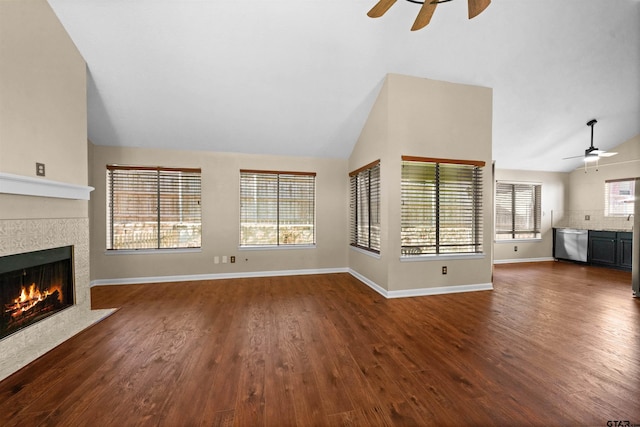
(591, 152)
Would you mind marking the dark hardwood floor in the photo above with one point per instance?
(552, 344)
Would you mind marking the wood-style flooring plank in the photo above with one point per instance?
(553, 344)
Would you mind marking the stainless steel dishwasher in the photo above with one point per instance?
(571, 244)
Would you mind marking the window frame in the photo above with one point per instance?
(366, 178)
(440, 187)
(278, 223)
(628, 207)
(164, 179)
(535, 213)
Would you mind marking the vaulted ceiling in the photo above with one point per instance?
(298, 77)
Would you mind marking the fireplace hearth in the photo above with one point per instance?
(33, 286)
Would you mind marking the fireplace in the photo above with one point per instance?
(33, 286)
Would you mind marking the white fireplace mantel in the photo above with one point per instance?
(28, 186)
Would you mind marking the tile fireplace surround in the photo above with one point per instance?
(26, 235)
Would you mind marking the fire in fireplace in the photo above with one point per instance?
(33, 286)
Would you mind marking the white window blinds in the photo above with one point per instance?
(619, 197)
(277, 208)
(364, 204)
(153, 207)
(518, 211)
(441, 206)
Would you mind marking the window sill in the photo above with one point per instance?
(275, 247)
(375, 255)
(420, 258)
(151, 251)
(537, 239)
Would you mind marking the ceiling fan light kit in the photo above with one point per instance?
(476, 7)
(591, 158)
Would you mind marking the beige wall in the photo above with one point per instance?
(555, 188)
(422, 117)
(220, 216)
(43, 114)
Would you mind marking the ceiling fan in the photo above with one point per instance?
(592, 154)
(426, 11)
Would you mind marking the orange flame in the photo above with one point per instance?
(31, 296)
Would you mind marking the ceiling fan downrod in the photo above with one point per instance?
(589, 150)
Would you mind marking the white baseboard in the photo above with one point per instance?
(517, 260)
(241, 275)
(422, 291)
(441, 290)
(194, 277)
(370, 283)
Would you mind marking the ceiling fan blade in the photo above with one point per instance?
(607, 154)
(424, 16)
(596, 153)
(380, 8)
(477, 6)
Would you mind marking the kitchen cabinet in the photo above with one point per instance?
(602, 247)
(610, 248)
(625, 252)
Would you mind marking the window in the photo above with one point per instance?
(441, 206)
(518, 211)
(153, 208)
(277, 208)
(365, 207)
(619, 195)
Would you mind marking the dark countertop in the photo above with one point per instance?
(595, 229)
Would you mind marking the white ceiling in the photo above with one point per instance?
(298, 77)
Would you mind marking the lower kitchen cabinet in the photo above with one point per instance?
(602, 247)
(625, 250)
(610, 248)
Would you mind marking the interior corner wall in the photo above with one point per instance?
(372, 145)
(555, 187)
(221, 218)
(429, 118)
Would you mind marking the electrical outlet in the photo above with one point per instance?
(444, 269)
(587, 217)
(40, 169)
(216, 260)
(233, 259)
